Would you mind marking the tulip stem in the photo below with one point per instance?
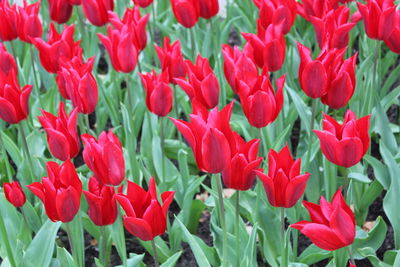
(175, 104)
(105, 246)
(34, 75)
(222, 217)
(155, 256)
(237, 228)
(193, 41)
(162, 137)
(153, 13)
(6, 162)
(26, 150)
(76, 242)
(313, 109)
(6, 241)
(87, 123)
(128, 92)
(345, 182)
(283, 228)
(352, 261)
(138, 64)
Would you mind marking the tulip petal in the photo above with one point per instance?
(67, 204)
(215, 151)
(138, 227)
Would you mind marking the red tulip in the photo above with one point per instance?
(171, 59)
(333, 29)
(202, 84)
(62, 136)
(96, 11)
(316, 8)
(14, 102)
(158, 92)
(186, 12)
(135, 23)
(28, 22)
(210, 137)
(332, 225)
(269, 47)
(208, 8)
(76, 82)
(60, 192)
(143, 3)
(239, 66)
(260, 103)
(344, 144)
(104, 157)
(9, 17)
(8, 66)
(393, 40)
(102, 205)
(60, 10)
(145, 217)
(59, 48)
(329, 76)
(241, 171)
(276, 12)
(14, 194)
(120, 48)
(284, 185)
(74, 2)
(380, 18)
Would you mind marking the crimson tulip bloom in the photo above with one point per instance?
(102, 205)
(329, 76)
(284, 185)
(120, 48)
(210, 137)
(316, 8)
(8, 66)
(96, 11)
(158, 92)
(135, 23)
(333, 29)
(380, 18)
(14, 102)
(202, 84)
(344, 144)
(241, 171)
(269, 47)
(145, 217)
(60, 10)
(186, 12)
(276, 12)
(62, 135)
(60, 192)
(104, 157)
(58, 48)
(74, 2)
(393, 40)
(76, 82)
(239, 66)
(143, 3)
(9, 17)
(171, 59)
(332, 225)
(208, 8)
(29, 25)
(260, 103)
(14, 194)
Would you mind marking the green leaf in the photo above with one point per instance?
(314, 254)
(359, 177)
(373, 238)
(172, 260)
(40, 251)
(381, 171)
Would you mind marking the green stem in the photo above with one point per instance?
(283, 228)
(6, 162)
(138, 64)
(345, 182)
(194, 44)
(37, 86)
(153, 13)
(237, 228)
(26, 150)
(105, 247)
(310, 134)
(222, 217)
(87, 123)
(77, 246)
(6, 241)
(352, 261)
(155, 256)
(176, 108)
(162, 137)
(129, 93)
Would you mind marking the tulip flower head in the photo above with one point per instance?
(102, 204)
(344, 144)
(8, 66)
(60, 10)
(9, 18)
(393, 40)
(62, 135)
(143, 3)
(208, 8)
(316, 8)
(332, 225)
(202, 84)
(210, 137)
(60, 192)
(144, 216)
(284, 185)
(158, 92)
(96, 11)
(14, 194)
(187, 12)
(104, 157)
(29, 25)
(171, 59)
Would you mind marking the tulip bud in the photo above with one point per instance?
(62, 136)
(316, 8)
(104, 157)
(276, 12)
(332, 225)
(96, 11)
(143, 3)
(8, 66)
(14, 194)
(60, 192)
(102, 205)
(29, 25)
(186, 12)
(60, 10)
(9, 20)
(393, 40)
(158, 92)
(171, 59)
(144, 216)
(344, 144)
(208, 8)
(283, 185)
